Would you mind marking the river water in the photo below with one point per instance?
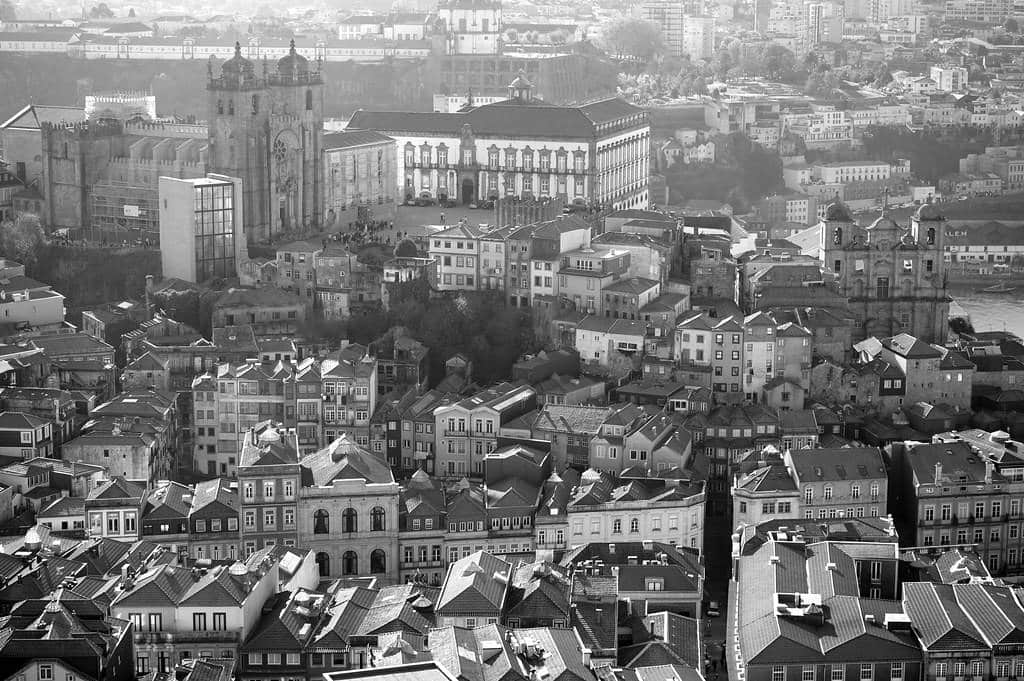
(993, 312)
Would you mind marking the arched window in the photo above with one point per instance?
(378, 561)
(931, 236)
(616, 526)
(321, 522)
(323, 564)
(231, 107)
(255, 104)
(634, 525)
(309, 100)
(220, 106)
(837, 236)
(377, 519)
(349, 520)
(349, 563)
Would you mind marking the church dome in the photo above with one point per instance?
(838, 212)
(293, 63)
(927, 211)
(238, 70)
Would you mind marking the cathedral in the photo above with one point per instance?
(267, 129)
(894, 278)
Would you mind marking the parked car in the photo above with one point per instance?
(712, 609)
(424, 201)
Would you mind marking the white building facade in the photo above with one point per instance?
(598, 153)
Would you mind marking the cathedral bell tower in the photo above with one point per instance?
(237, 136)
(267, 130)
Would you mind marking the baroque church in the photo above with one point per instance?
(894, 278)
(267, 129)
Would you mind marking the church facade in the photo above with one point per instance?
(267, 129)
(894, 278)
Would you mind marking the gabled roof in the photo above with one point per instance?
(939, 621)
(117, 488)
(33, 116)
(477, 583)
(632, 285)
(836, 465)
(571, 419)
(214, 491)
(534, 120)
(343, 459)
(794, 636)
(539, 590)
(16, 420)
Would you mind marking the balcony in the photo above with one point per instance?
(164, 637)
(456, 433)
(415, 564)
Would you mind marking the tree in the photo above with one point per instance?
(721, 64)
(101, 11)
(559, 37)
(882, 75)
(131, 12)
(1011, 25)
(700, 86)
(22, 239)
(822, 84)
(627, 37)
(779, 63)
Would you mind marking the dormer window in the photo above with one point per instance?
(654, 584)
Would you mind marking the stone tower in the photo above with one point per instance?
(267, 129)
(894, 278)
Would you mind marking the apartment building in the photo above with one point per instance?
(179, 612)
(421, 530)
(792, 617)
(703, 341)
(456, 252)
(467, 430)
(114, 509)
(349, 388)
(601, 510)
(602, 340)
(229, 401)
(763, 489)
(213, 520)
(269, 477)
(549, 241)
(957, 494)
(949, 78)
(585, 272)
(840, 483)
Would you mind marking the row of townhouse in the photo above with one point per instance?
(753, 358)
(840, 608)
(820, 483)
(320, 399)
(561, 260)
(325, 276)
(899, 374)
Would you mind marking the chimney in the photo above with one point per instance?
(989, 467)
(938, 472)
